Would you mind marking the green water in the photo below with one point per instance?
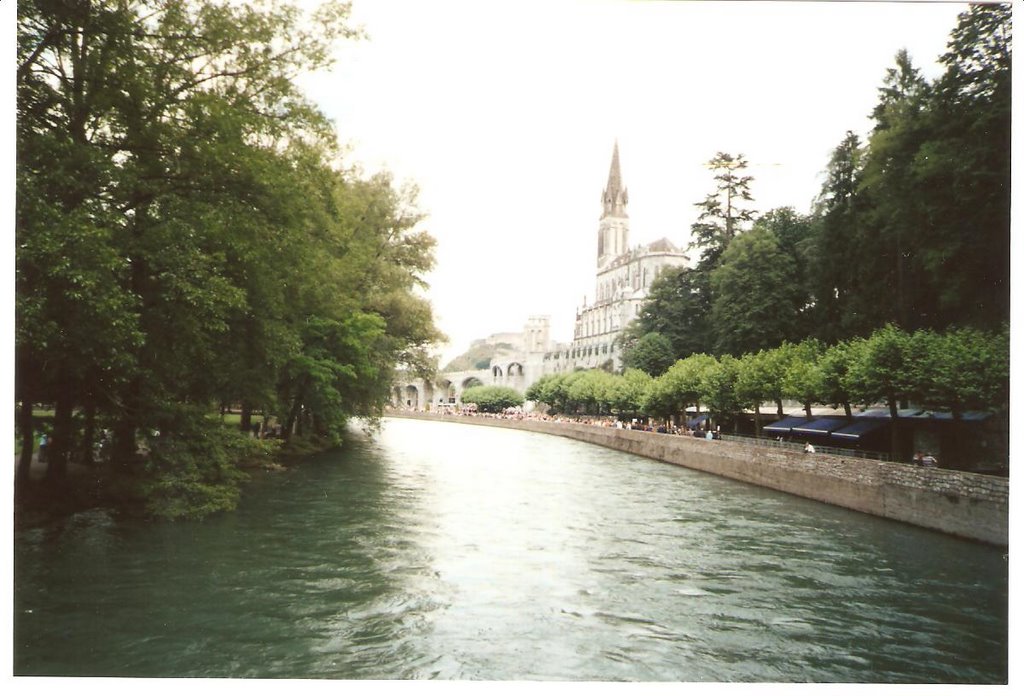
(449, 551)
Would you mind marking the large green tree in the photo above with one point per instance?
(962, 175)
(678, 307)
(756, 301)
(651, 353)
(835, 248)
(186, 237)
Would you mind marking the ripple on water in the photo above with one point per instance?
(442, 551)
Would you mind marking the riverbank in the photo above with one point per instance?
(969, 505)
(162, 490)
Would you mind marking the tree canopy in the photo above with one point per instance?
(188, 239)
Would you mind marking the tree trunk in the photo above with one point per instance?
(778, 404)
(293, 415)
(757, 420)
(954, 458)
(63, 436)
(28, 440)
(807, 409)
(849, 411)
(125, 446)
(245, 424)
(895, 442)
(89, 434)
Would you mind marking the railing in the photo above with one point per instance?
(819, 449)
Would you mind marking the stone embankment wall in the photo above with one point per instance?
(969, 505)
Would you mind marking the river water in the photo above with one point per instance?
(450, 551)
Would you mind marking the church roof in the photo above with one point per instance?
(663, 244)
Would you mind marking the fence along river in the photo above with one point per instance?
(449, 551)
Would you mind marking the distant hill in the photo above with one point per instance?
(478, 357)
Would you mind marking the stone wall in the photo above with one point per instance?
(969, 505)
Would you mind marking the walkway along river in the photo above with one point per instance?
(442, 550)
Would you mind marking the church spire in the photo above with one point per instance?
(615, 196)
(613, 229)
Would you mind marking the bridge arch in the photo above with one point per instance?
(412, 396)
(471, 382)
(445, 391)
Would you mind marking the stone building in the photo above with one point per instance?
(624, 276)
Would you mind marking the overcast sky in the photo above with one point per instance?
(505, 115)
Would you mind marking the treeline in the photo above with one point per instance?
(955, 372)
(911, 227)
(187, 239)
(492, 398)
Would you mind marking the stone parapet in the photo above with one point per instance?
(969, 505)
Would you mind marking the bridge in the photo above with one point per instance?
(446, 388)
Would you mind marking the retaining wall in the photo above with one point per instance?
(969, 505)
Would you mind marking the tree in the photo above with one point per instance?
(678, 308)
(187, 238)
(542, 390)
(492, 398)
(756, 305)
(957, 371)
(804, 379)
(893, 228)
(755, 383)
(962, 174)
(722, 215)
(795, 236)
(960, 370)
(881, 372)
(834, 366)
(630, 390)
(836, 246)
(651, 353)
(680, 386)
(719, 388)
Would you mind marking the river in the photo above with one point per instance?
(449, 551)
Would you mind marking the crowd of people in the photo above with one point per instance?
(926, 460)
(517, 413)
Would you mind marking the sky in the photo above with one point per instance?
(504, 115)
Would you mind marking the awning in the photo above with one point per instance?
(884, 413)
(972, 416)
(918, 414)
(856, 430)
(694, 422)
(785, 425)
(822, 426)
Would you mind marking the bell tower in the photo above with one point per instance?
(613, 229)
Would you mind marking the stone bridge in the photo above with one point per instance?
(447, 387)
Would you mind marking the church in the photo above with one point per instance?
(624, 276)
